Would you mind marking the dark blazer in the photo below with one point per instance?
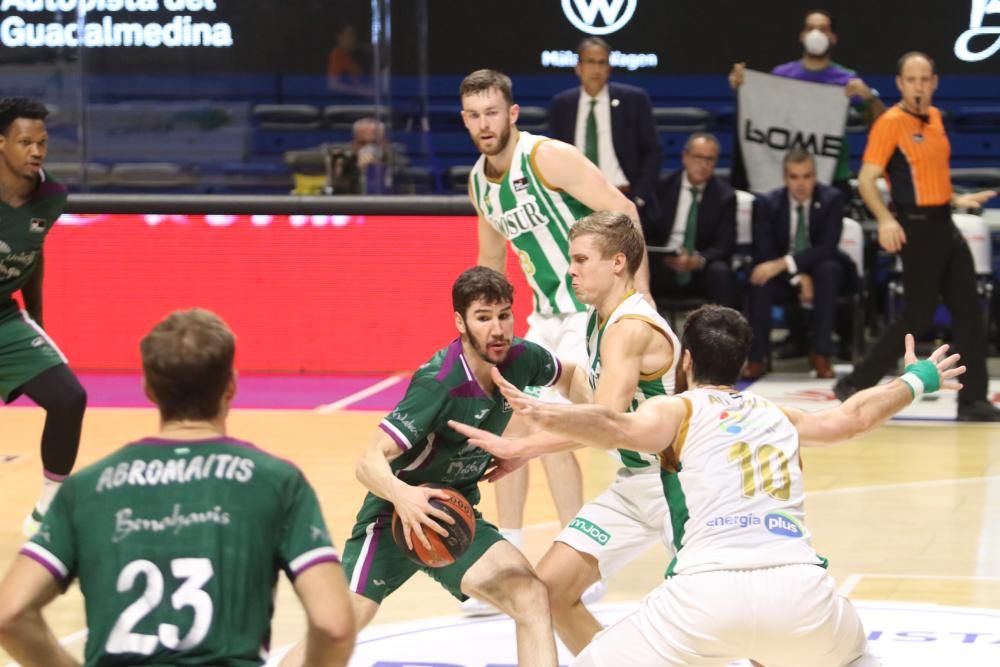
(716, 235)
(633, 133)
(771, 227)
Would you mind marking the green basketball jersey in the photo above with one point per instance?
(536, 219)
(444, 388)
(660, 383)
(177, 545)
(22, 233)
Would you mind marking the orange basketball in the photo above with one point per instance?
(444, 550)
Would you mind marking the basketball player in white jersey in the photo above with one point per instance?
(633, 356)
(529, 190)
(746, 580)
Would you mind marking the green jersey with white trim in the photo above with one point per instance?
(177, 546)
(660, 383)
(444, 388)
(22, 234)
(535, 218)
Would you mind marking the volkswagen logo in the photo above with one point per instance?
(599, 17)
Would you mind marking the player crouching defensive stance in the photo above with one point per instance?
(754, 586)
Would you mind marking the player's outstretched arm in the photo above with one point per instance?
(651, 428)
(331, 628)
(867, 409)
(412, 503)
(24, 634)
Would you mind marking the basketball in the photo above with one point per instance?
(444, 550)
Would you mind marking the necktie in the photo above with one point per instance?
(801, 231)
(590, 139)
(690, 232)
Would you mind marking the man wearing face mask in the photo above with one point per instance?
(909, 146)
(817, 66)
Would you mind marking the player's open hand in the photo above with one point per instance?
(505, 448)
(413, 506)
(945, 364)
(519, 401)
(500, 468)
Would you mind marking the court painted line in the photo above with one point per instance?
(851, 582)
(65, 641)
(902, 485)
(363, 394)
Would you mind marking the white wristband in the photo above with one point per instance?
(915, 384)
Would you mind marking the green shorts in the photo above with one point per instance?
(25, 351)
(375, 566)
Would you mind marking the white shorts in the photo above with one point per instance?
(563, 335)
(621, 523)
(787, 616)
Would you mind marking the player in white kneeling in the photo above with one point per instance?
(746, 580)
(633, 356)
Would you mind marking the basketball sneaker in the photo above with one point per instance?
(473, 607)
(594, 592)
(32, 523)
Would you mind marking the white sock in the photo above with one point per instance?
(515, 536)
(49, 489)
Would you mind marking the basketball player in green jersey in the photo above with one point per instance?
(30, 363)
(529, 190)
(732, 476)
(177, 539)
(633, 356)
(414, 445)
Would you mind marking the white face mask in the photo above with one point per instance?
(816, 42)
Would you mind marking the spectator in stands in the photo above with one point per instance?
(364, 165)
(612, 124)
(345, 64)
(817, 65)
(910, 147)
(796, 232)
(698, 226)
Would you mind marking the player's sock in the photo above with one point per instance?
(515, 536)
(51, 483)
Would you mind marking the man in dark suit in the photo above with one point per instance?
(796, 232)
(612, 124)
(698, 227)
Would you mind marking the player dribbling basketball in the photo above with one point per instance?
(414, 445)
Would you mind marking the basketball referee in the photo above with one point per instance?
(909, 145)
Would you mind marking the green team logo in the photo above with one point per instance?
(591, 530)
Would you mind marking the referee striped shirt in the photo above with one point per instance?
(914, 154)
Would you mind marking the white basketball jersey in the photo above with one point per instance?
(736, 501)
(535, 218)
(658, 383)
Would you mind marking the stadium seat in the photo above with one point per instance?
(852, 244)
(286, 116)
(534, 119)
(682, 119)
(343, 116)
(144, 175)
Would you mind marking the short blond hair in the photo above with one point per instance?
(617, 233)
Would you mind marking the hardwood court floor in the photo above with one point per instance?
(909, 513)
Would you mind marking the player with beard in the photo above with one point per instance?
(414, 445)
(529, 190)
